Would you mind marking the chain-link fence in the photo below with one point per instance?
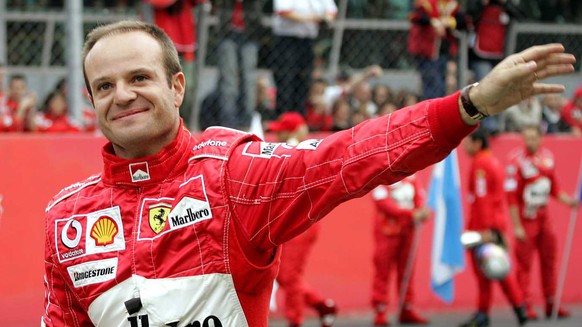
(244, 71)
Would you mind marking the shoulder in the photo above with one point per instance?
(218, 142)
(72, 189)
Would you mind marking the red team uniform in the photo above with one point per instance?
(530, 184)
(394, 230)
(191, 234)
(488, 211)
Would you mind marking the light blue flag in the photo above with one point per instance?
(448, 254)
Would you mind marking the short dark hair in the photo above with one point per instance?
(170, 57)
(482, 135)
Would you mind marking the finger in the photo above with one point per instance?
(540, 52)
(554, 70)
(543, 88)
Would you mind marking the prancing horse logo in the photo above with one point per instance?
(158, 215)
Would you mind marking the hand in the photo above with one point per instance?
(519, 233)
(373, 71)
(438, 26)
(516, 78)
(420, 215)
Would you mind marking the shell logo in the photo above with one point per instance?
(104, 231)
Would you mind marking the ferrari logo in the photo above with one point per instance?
(158, 215)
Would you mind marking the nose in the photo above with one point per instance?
(124, 94)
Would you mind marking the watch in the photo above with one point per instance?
(468, 105)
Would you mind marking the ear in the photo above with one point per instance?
(90, 96)
(179, 87)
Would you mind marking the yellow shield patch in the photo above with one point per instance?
(158, 215)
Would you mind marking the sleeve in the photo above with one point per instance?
(387, 205)
(61, 307)
(277, 191)
(512, 182)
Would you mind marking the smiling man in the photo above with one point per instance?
(183, 230)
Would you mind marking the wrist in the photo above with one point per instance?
(468, 108)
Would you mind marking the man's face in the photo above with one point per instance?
(532, 139)
(134, 105)
(17, 89)
(470, 146)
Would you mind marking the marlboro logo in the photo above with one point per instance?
(139, 172)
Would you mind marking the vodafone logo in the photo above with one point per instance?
(76, 228)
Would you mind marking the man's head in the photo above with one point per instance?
(17, 87)
(578, 97)
(532, 137)
(477, 141)
(136, 86)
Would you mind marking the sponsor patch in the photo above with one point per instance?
(158, 216)
(93, 272)
(96, 232)
(208, 143)
(188, 212)
(139, 172)
(262, 149)
(163, 215)
(310, 144)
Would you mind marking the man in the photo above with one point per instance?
(400, 207)
(488, 217)
(291, 129)
(431, 41)
(530, 183)
(181, 230)
(20, 105)
(237, 54)
(296, 25)
(572, 112)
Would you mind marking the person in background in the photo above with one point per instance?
(526, 113)
(53, 117)
(237, 53)
(491, 19)
(400, 208)
(530, 183)
(181, 229)
(295, 27)
(488, 217)
(552, 121)
(177, 19)
(292, 129)
(21, 104)
(431, 41)
(572, 112)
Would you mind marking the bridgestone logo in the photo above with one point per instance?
(209, 143)
(93, 273)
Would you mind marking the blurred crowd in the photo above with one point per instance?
(297, 80)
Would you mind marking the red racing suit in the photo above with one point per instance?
(530, 183)
(488, 211)
(393, 236)
(190, 236)
(298, 294)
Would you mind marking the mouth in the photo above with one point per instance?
(128, 113)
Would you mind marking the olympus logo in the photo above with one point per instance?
(209, 143)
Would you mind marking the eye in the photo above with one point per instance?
(140, 78)
(104, 86)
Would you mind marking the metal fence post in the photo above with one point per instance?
(74, 61)
(3, 38)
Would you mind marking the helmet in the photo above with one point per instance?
(493, 260)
